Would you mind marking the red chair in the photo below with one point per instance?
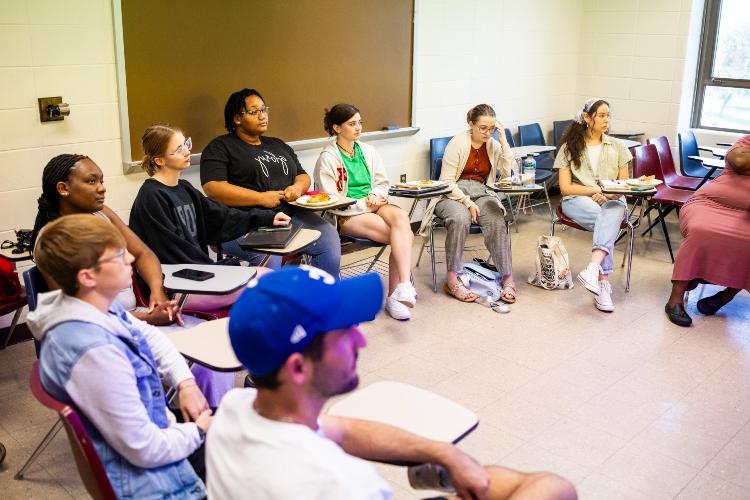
(12, 297)
(669, 174)
(625, 226)
(142, 301)
(90, 468)
(646, 162)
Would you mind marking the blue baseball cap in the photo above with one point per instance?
(283, 311)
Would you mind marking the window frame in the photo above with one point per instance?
(704, 79)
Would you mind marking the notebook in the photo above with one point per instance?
(269, 239)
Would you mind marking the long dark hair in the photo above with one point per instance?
(575, 135)
(57, 170)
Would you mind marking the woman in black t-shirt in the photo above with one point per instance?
(244, 168)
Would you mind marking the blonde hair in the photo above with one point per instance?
(71, 243)
(154, 143)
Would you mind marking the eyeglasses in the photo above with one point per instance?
(484, 129)
(185, 148)
(256, 112)
(119, 255)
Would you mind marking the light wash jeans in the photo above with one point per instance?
(325, 253)
(604, 220)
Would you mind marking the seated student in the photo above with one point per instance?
(74, 184)
(588, 155)
(244, 168)
(716, 225)
(176, 221)
(471, 161)
(296, 332)
(354, 169)
(110, 365)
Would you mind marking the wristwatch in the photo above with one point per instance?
(201, 434)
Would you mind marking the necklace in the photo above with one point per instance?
(349, 152)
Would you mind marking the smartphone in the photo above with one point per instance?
(193, 274)
(273, 229)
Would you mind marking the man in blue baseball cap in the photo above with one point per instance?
(296, 331)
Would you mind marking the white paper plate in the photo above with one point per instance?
(303, 200)
(424, 183)
(636, 182)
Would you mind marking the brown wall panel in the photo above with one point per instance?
(183, 59)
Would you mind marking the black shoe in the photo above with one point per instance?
(678, 315)
(710, 305)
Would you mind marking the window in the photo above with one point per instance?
(722, 96)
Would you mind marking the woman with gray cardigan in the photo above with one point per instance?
(470, 163)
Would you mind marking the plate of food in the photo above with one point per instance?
(644, 180)
(317, 200)
(424, 183)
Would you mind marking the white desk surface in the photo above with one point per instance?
(410, 408)
(8, 254)
(226, 279)
(207, 344)
(708, 162)
(629, 143)
(716, 151)
(521, 151)
(301, 240)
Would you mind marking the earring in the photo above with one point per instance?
(64, 193)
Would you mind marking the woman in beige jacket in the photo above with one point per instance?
(471, 163)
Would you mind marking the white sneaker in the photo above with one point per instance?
(396, 309)
(589, 278)
(603, 301)
(405, 294)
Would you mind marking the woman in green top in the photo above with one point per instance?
(353, 169)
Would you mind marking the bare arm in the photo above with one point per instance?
(146, 262)
(568, 188)
(377, 441)
(238, 196)
(301, 185)
(739, 159)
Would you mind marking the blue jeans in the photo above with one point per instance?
(325, 253)
(604, 220)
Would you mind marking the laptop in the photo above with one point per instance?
(265, 238)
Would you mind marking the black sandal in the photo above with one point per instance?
(678, 315)
(711, 305)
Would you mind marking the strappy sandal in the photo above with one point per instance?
(508, 294)
(460, 292)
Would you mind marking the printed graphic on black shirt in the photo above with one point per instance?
(186, 216)
(268, 158)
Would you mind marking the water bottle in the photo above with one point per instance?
(529, 171)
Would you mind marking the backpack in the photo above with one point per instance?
(552, 266)
(481, 278)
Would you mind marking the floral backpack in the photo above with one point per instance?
(552, 266)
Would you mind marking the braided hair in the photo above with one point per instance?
(57, 170)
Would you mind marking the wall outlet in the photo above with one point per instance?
(402, 178)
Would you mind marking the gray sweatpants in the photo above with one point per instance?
(491, 218)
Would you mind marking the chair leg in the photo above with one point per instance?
(376, 259)
(39, 449)
(421, 251)
(432, 259)
(549, 205)
(13, 324)
(631, 230)
(662, 215)
(666, 237)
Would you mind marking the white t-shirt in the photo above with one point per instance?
(594, 153)
(249, 456)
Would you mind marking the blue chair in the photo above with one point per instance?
(689, 147)
(509, 137)
(531, 134)
(558, 128)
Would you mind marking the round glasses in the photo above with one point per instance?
(184, 148)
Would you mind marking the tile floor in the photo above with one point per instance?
(626, 405)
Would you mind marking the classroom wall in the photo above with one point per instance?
(535, 60)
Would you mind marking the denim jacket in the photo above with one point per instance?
(76, 338)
